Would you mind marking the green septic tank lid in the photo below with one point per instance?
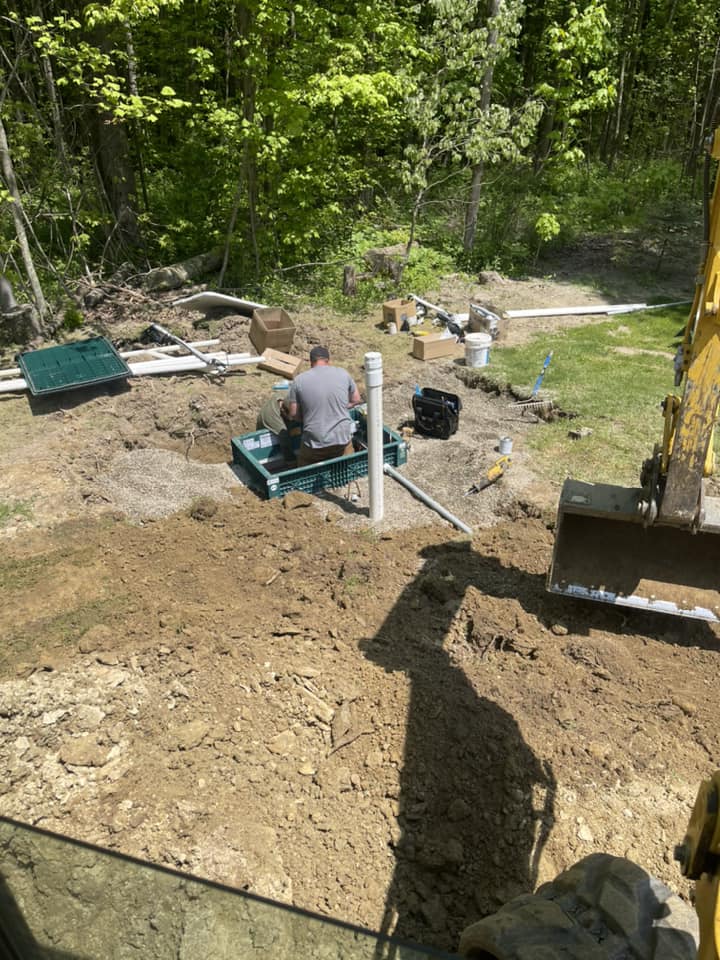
(72, 365)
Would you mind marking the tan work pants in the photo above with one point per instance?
(308, 455)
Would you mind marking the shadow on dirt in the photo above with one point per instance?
(69, 399)
(475, 804)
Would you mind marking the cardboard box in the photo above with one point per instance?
(284, 364)
(434, 345)
(397, 311)
(271, 327)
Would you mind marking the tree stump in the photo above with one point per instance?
(349, 281)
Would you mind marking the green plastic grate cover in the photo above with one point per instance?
(72, 365)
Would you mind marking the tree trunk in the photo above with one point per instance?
(542, 144)
(114, 170)
(18, 213)
(349, 281)
(135, 91)
(117, 177)
(478, 170)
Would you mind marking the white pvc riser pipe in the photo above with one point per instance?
(373, 389)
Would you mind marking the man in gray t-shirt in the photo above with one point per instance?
(321, 397)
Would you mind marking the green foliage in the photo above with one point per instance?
(72, 319)
(577, 79)
(292, 129)
(582, 201)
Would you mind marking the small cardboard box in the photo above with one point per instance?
(283, 364)
(435, 345)
(397, 311)
(271, 327)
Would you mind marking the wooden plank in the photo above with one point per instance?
(284, 364)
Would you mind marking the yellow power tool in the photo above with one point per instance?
(497, 470)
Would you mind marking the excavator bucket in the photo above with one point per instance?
(604, 552)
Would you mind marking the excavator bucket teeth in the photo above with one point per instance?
(603, 552)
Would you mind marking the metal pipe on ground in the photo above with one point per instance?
(428, 501)
(373, 386)
(214, 365)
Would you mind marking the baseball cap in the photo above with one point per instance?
(319, 353)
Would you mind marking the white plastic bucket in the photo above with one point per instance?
(477, 349)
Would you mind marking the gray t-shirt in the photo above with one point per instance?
(322, 394)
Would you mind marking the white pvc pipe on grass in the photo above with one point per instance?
(608, 308)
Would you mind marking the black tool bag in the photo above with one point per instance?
(436, 412)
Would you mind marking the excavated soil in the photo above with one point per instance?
(396, 726)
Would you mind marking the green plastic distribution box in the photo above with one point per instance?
(269, 474)
(72, 365)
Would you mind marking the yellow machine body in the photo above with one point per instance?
(656, 546)
(699, 857)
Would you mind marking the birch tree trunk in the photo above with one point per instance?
(18, 213)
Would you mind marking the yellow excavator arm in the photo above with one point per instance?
(656, 546)
(687, 453)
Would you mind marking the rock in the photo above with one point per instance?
(306, 769)
(178, 690)
(491, 276)
(333, 780)
(84, 752)
(108, 659)
(306, 671)
(283, 744)
(559, 629)
(585, 834)
(295, 499)
(96, 638)
(320, 709)
(190, 735)
(89, 717)
(687, 706)
(458, 810)
(435, 913)
(454, 851)
(51, 717)
(580, 433)
(204, 508)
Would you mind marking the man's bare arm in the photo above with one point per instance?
(290, 409)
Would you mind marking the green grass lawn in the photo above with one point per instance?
(612, 378)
